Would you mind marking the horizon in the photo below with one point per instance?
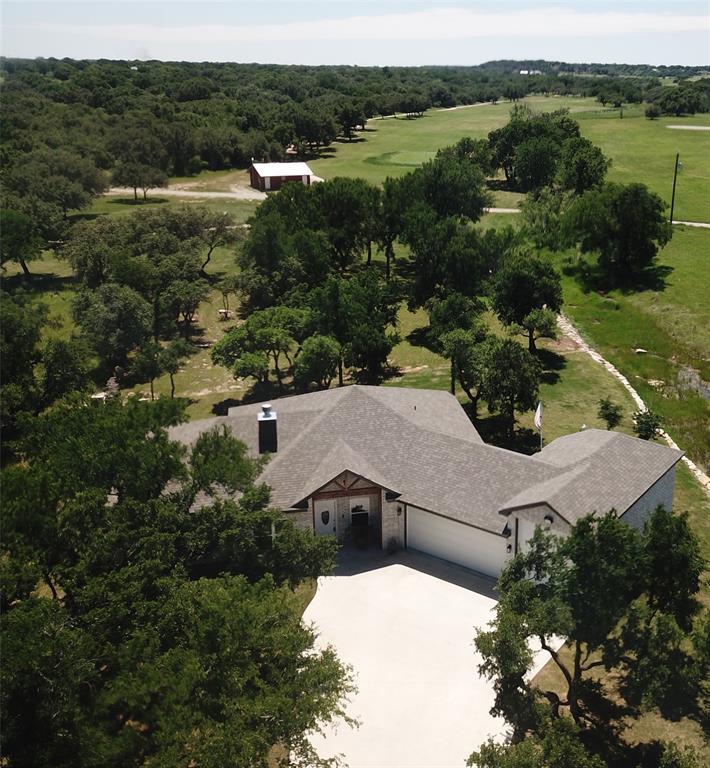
(361, 33)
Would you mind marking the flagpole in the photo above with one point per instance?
(538, 421)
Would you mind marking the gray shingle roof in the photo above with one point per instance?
(602, 470)
(420, 444)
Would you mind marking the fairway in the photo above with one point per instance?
(640, 149)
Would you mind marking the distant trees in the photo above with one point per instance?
(115, 319)
(261, 343)
(21, 323)
(541, 150)
(20, 241)
(511, 380)
(139, 176)
(59, 178)
(148, 264)
(582, 165)
(318, 361)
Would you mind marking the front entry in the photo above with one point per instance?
(324, 511)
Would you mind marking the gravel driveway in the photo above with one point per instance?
(406, 625)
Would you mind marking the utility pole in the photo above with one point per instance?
(675, 176)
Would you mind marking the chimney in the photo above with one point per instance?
(267, 429)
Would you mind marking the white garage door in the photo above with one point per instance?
(455, 542)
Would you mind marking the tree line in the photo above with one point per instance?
(70, 126)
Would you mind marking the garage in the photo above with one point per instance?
(458, 543)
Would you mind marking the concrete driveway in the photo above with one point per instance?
(406, 625)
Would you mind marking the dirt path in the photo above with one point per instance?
(571, 332)
(689, 127)
(702, 224)
(236, 193)
(465, 106)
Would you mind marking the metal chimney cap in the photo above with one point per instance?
(266, 413)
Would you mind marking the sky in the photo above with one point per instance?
(360, 32)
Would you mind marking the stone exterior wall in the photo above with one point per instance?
(660, 493)
(302, 518)
(392, 524)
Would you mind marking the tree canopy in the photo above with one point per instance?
(624, 224)
(604, 589)
(169, 632)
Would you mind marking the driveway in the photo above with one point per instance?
(406, 624)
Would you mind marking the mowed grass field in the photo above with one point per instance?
(640, 149)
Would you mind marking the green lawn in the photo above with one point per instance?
(640, 149)
(672, 325)
(123, 206)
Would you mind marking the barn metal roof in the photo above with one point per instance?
(282, 169)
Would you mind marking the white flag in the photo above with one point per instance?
(538, 417)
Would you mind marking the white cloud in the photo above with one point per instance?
(433, 24)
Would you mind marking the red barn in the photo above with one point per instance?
(271, 176)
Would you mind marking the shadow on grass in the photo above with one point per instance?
(681, 698)
(137, 203)
(501, 185)
(222, 407)
(38, 283)
(322, 153)
(552, 363)
(76, 217)
(592, 278)
(257, 393)
(421, 337)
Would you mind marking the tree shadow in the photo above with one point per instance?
(501, 185)
(681, 698)
(222, 407)
(322, 153)
(76, 217)
(591, 278)
(421, 337)
(493, 429)
(552, 362)
(38, 283)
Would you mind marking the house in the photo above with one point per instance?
(407, 468)
(271, 176)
